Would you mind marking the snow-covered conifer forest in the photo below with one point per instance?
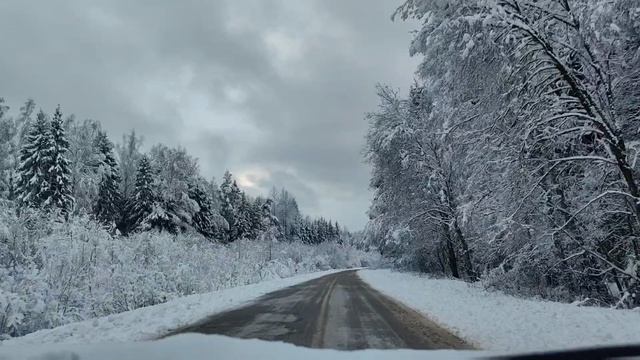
(494, 189)
(90, 228)
(514, 158)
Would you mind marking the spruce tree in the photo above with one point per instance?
(162, 217)
(151, 211)
(144, 196)
(7, 151)
(33, 186)
(258, 220)
(59, 196)
(108, 204)
(243, 218)
(202, 220)
(230, 205)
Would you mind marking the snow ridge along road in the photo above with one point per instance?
(337, 311)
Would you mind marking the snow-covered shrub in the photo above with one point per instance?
(52, 273)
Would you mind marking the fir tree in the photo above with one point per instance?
(243, 219)
(108, 204)
(202, 220)
(144, 196)
(7, 152)
(60, 194)
(162, 217)
(258, 217)
(33, 186)
(230, 205)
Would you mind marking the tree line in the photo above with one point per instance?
(67, 167)
(513, 159)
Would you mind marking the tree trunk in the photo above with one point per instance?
(466, 252)
(451, 254)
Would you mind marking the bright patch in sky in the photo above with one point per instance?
(273, 90)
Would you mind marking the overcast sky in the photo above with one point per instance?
(275, 91)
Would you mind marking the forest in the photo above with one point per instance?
(72, 168)
(513, 158)
(90, 228)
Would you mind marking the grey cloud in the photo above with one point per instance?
(275, 87)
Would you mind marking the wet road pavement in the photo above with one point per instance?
(337, 311)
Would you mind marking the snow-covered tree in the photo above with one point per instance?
(59, 195)
(8, 133)
(285, 209)
(258, 218)
(144, 195)
(245, 225)
(527, 171)
(230, 199)
(129, 156)
(175, 170)
(107, 208)
(85, 162)
(36, 158)
(206, 219)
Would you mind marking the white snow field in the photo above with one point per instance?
(198, 346)
(497, 322)
(154, 321)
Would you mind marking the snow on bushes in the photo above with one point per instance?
(53, 273)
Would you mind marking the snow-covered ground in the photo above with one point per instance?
(497, 322)
(197, 346)
(154, 321)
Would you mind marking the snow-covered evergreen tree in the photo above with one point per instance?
(108, 203)
(59, 196)
(244, 219)
(204, 219)
(258, 216)
(230, 199)
(128, 159)
(144, 194)
(34, 187)
(8, 132)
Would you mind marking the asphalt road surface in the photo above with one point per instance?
(337, 311)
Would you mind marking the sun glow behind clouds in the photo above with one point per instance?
(253, 179)
(243, 85)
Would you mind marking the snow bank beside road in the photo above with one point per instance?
(197, 347)
(153, 321)
(495, 321)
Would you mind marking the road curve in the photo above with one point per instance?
(337, 311)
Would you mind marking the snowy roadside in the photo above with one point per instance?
(499, 322)
(153, 321)
(198, 346)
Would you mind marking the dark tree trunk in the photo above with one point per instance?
(466, 252)
(451, 255)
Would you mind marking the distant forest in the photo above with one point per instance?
(70, 167)
(90, 228)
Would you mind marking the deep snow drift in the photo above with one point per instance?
(154, 321)
(494, 321)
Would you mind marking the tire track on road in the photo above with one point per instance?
(338, 311)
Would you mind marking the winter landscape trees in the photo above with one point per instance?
(89, 228)
(128, 191)
(516, 148)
